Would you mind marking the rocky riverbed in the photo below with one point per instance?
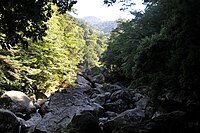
(100, 107)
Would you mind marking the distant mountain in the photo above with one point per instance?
(92, 20)
(105, 26)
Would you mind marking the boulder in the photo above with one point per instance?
(107, 95)
(98, 86)
(8, 122)
(127, 95)
(44, 108)
(63, 106)
(98, 79)
(136, 97)
(110, 88)
(86, 122)
(142, 103)
(32, 122)
(82, 82)
(126, 117)
(100, 99)
(17, 101)
(131, 115)
(117, 106)
(110, 114)
(116, 95)
(91, 92)
(174, 122)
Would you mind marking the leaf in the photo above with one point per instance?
(33, 71)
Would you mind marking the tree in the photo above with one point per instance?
(166, 56)
(22, 19)
(93, 49)
(126, 38)
(51, 63)
(26, 19)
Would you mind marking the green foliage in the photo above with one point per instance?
(95, 46)
(118, 49)
(167, 53)
(51, 63)
(126, 39)
(26, 19)
(160, 47)
(20, 20)
(64, 5)
(8, 71)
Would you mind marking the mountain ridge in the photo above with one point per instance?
(105, 26)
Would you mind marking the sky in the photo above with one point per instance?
(98, 9)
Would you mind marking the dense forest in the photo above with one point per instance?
(159, 48)
(43, 49)
(50, 61)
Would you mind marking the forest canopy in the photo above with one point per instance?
(159, 48)
(21, 20)
(42, 48)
